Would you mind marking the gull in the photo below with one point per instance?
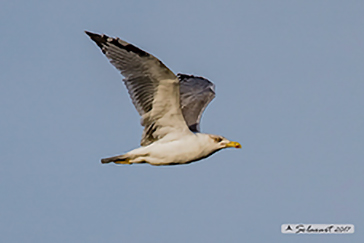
(170, 107)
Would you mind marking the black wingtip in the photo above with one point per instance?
(90, 34)
(98, 39)
(101, 41)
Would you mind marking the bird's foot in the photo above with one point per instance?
(123, 162)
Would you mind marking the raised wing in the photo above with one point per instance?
(196, 93)
(153, 88)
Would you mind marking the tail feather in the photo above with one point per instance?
(120, 159)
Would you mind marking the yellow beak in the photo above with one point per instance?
(233, 145)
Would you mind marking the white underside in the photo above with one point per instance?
(178, 150)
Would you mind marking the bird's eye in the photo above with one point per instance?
(218, 139)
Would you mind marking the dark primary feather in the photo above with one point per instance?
(195, 94)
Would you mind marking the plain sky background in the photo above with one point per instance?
(289, 78)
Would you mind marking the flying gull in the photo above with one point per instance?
(170, 107)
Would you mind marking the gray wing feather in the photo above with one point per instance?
(152, 87)
(195, 94)
(136, 66)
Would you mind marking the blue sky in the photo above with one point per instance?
(289, 79)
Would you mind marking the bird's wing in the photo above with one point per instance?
(153, 88)
(196, 93)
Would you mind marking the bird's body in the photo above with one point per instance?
(192, 147)
(170, 107)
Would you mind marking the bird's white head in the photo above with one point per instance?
(222, 142)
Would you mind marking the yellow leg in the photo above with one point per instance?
(123, 162)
